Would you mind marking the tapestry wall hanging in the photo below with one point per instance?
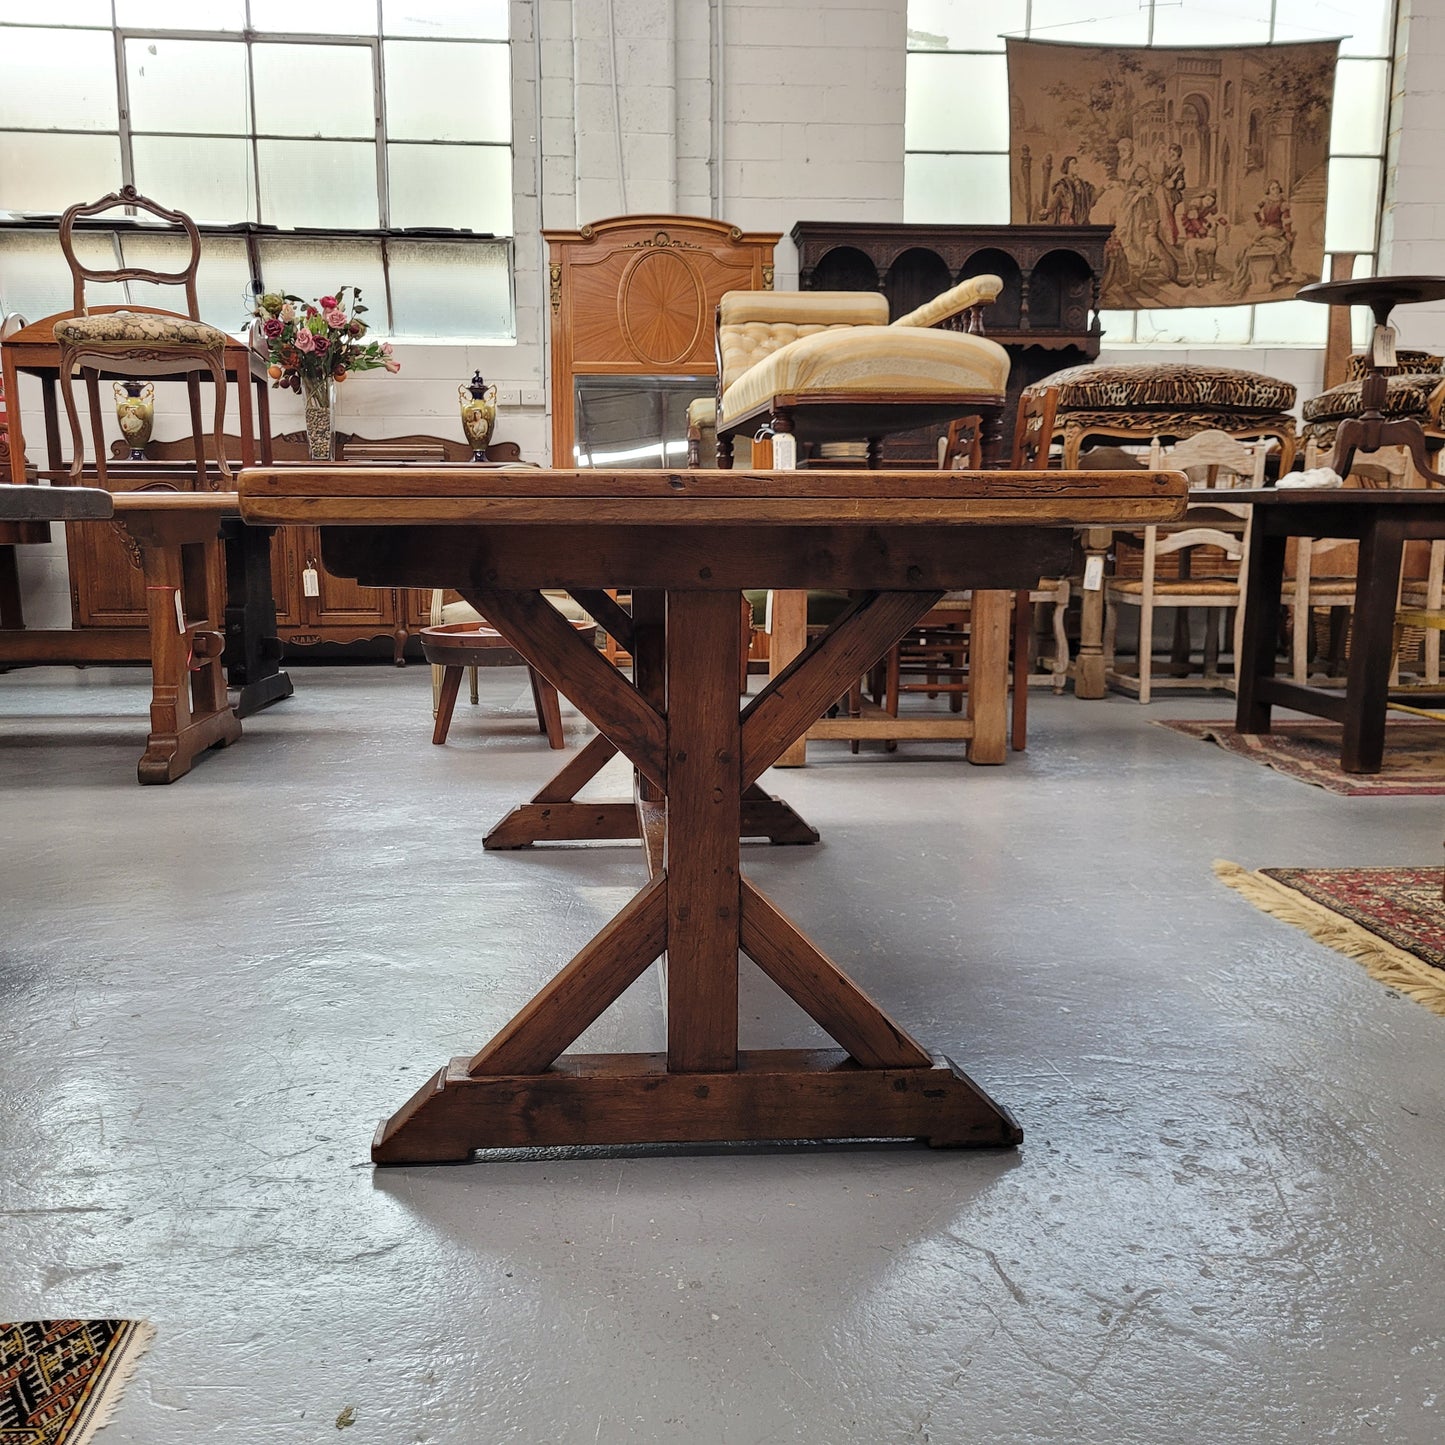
(1209, 164)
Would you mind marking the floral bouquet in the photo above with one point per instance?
(315, 343)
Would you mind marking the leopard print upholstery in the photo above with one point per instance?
(1166, 386)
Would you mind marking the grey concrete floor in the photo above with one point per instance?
(1223, 1224)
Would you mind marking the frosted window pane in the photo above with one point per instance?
(1290, 323)
(1216, 22)
(448, 91)
(468, 188)
(50, 172)
(315, 17)
(956, 190)
(1194, 326)
(58, 12)
(35, 281)
(947, 25)
(58, 78)
(1357, 124)
(210, 180)
(187, 85)
(441, 290)
(1118, 327)
(312, 269)
(222, 281)
(181, 14)
(1078, 21)
(314, 90)
(319, 183)
(956, 102)
(1353, 206)
(474, 19)
(1364, 23)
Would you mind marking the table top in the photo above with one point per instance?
(432, 495)
(30, 503)
(1383, 498)
(1375, 291)
(220, 504)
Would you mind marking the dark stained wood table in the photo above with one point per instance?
(1382, 522)
(686, 543)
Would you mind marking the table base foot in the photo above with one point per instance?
(762, 817)
(169, 756)
(622, 1099)
(262, 693)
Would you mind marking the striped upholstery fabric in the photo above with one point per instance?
(754, 324)
(976, 291)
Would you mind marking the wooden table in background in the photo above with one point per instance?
(686, 543)
(1382, 521)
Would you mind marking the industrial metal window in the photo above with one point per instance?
(956, 130)
(361, 141)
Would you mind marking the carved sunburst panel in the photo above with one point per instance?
(661, 307)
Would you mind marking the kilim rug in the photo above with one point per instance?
(1391, 919)
(1414, 760)
(60, 1379)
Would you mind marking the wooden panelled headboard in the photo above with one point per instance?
(635, 296)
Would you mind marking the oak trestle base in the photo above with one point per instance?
(615, 1099)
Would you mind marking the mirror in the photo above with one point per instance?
(634, 421)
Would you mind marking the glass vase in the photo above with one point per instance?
(319, 396)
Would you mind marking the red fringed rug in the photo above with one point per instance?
(1391, 919)
(60, 1379)
(1310, 751)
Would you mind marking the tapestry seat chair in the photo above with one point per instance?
(141, 341)
(827, 366)
(1170, 401)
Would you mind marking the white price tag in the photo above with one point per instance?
(180, 613)
(310, 583)
(785, 452)
(1382, 349)
(1093, 573)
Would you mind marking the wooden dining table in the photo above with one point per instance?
(1381, 520)
(685, 544)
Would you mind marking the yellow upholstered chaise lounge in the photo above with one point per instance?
(827, 365)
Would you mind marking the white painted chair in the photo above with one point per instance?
(1210, 459)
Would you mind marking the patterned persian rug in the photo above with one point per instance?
(60, 1379)
(1414, 760)
(1391, 919)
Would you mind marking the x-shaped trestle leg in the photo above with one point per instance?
(698, 759)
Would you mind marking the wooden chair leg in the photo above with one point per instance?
(549, 710)
(451, 685)
(1023, 633)
(475, 696)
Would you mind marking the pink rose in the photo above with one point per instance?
(272, 327)
(392, 364)
(336, 317)
(305, 341)
(327, 303)
(288, 312)
(386, 348)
